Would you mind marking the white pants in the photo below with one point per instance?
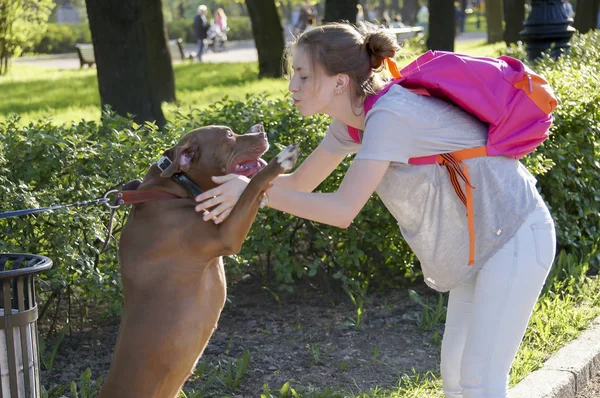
(488, 314)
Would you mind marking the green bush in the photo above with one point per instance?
(571, 185)
(44, 164)
(181, 28)
(61, 38)
(240, 28)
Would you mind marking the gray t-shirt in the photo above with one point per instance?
(432, 219)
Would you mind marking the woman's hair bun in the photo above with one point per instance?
(379, 44)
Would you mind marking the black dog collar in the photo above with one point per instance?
(184, 181)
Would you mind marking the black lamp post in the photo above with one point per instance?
(547, 26)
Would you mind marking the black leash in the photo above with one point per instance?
(162, 164)
(17, 213)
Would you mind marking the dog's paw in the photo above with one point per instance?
(287, 158)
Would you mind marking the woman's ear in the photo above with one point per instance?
(342, 83)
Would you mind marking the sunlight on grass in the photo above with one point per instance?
(71, 95)
(479, 48)
(558, 318)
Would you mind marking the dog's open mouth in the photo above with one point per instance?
(249, 168)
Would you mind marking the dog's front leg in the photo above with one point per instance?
(234, 230)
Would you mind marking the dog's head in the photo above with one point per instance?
(217, 150)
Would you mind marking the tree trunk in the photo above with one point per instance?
(586, 15)
(268, 36)
(442, 25)
(341, 10)
(514, 15)
(493, 14)
(159, 56)
(134, 64)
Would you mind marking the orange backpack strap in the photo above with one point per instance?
(392, 66)
(458, 169)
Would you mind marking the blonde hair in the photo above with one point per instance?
(357, 51)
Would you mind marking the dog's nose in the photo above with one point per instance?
(258, 128)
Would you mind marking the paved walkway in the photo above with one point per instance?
(242, 51)
(238, 51)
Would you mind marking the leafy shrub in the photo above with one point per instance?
(61, 38)
(44, 164)
(240, 28)
(567, 163)
(181, 28)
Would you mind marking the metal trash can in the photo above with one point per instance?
(19, 353)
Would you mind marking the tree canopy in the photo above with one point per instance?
(22, 23)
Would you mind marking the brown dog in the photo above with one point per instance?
(171, 266)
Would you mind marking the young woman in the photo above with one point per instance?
(334, 68)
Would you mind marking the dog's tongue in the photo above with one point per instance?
(250, 168)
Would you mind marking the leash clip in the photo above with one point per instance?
(119, 201)
(163, 163)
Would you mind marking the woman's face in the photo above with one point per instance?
(312, 89)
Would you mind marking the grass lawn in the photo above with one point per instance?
(72, 95)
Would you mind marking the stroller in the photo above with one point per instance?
(216, 38)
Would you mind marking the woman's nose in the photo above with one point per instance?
(292, 87)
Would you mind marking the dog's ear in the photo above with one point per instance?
(181, 160)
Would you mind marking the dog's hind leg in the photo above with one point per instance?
(163, 332)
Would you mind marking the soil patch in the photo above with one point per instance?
(307, 338)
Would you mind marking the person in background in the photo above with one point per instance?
(423, 17)
(310, 23)
(360, 16)
(568, 9)
(221, 19)
(305, 12)
(385, 19)
(459, 18)
(201, 27)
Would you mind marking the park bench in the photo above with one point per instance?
(85, 51)
(177, 51)
(405, 33)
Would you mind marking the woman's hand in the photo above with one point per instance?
(223, 198)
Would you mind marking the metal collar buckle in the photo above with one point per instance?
(163, 163)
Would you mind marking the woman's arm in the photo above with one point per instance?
(338, 208)
(305, 178)
(313, 171)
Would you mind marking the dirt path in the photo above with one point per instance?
(307, 338)
(592, 390)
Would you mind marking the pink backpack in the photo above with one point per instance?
(515, 102)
